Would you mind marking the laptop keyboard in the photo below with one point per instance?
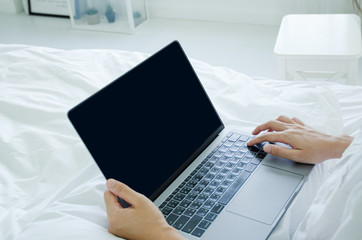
(198, 200)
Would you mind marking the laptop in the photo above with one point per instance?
(156, 130)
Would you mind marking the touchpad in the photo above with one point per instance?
(265, 194)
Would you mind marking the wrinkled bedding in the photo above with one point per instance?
(50, 188)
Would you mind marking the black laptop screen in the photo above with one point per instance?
(149, 124)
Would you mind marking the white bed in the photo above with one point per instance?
(50, 188)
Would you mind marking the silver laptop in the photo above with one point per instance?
(155, 129)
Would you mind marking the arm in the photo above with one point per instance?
(308, 145)
(142, 220)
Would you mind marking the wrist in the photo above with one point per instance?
(168, 233)
(339, 145)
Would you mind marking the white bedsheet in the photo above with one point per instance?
(50, 188)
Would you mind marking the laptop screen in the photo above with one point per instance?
(147, 126)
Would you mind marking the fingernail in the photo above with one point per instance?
(110, 183)
(267, 148)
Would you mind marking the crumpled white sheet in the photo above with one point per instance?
(336, 211)
(50, 187)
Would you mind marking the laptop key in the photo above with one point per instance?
(190, 212)
(181, 221)
(179, 197)
(208, 191)
(179, 210)
(213, 159)
(198, 232)
(209, 176)
(185, 203)
(261, 155)
(255, 161)
(234, 148)
(202, 212)
(229, 154)
(239, 143)
(250, 168)
(203, 183)
(197, 190)
(195, 205)
(241, 166)
(215, 170)
(214, 197)
(169, 198)
(210, 216)
(223, 148)
(204, 224)
(228, 143)
(217, 208)
(243, 138)
(202, 198)
(225, 183)
(172, 203)
(162, 205)
(191, 196)
(231, 177)
(229, 166)
(171, 219)
(191, 224)
(203, 170)
(214, 184)
(239, 154)
(234, 137)
(208, 204)
(220, 190)
(166, 211)
(236, 171)
(218, 154)
(225, 171)
(254, 149)
(250, 154)
(191, 183)
(185, 190)
(246, 159)
(234, 188)
(219, 178)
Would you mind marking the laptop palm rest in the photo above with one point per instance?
(265, 194)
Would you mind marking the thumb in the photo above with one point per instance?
(123, 191)
(111, 201)
(280, 151)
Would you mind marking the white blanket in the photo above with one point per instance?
(50, 188)
(336, 211)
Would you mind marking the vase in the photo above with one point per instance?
(93, 19)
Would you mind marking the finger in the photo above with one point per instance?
(111, 201)
(123, 191)
(283, 152)
(297, 120)
(271, 125)
(269, 137)
(284, 119)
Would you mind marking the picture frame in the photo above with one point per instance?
(53, 8)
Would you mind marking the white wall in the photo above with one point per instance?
(11, 6)
(268, 12)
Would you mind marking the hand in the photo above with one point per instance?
(142, 220)
(308, 145)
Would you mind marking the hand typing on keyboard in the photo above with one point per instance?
(142, 220)
(307, 145)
